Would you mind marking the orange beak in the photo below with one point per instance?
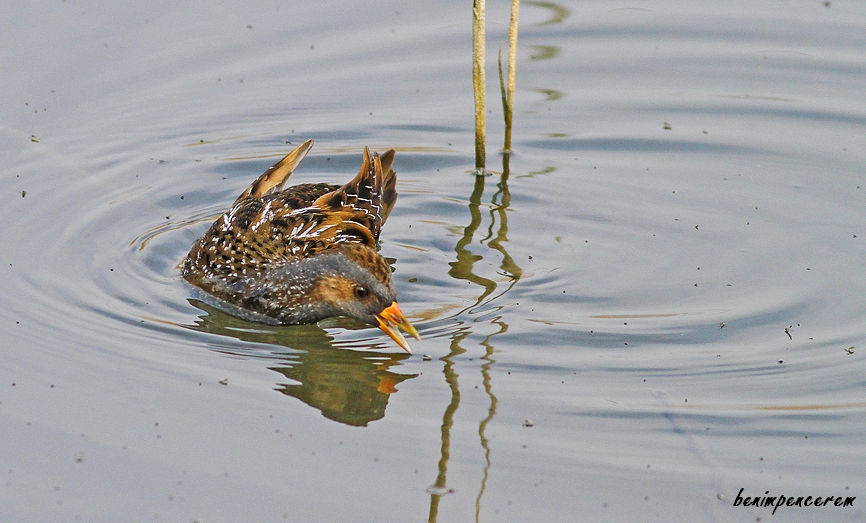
(391, 318)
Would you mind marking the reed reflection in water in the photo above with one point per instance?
(495, 238)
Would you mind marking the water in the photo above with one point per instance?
(659, 304)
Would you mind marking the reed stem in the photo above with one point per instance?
(508, 106)
(478, 41)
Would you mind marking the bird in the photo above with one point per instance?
(297, 255)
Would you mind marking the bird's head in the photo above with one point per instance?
(354, 280)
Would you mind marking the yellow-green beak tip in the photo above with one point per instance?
(390, 319)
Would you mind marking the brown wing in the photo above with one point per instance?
(268, 225)
(370, 196)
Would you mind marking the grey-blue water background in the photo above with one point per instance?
(662, 303)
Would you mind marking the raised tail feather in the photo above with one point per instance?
(373, 191)
(275, 178)
(389, 184)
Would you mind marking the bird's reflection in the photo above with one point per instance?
(347, 386)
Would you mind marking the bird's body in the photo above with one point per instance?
(304, 253)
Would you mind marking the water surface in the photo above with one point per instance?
(656, 301)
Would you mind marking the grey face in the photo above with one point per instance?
(321, 286)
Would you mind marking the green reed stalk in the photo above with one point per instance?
(478, 40)
(508, 99)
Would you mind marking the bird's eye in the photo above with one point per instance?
(360, 291)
